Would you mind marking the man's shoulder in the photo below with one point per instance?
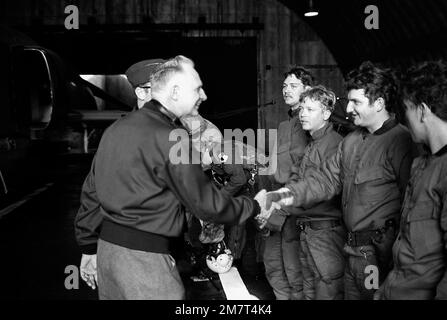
(285, 124)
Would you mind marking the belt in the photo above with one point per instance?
(361, 238)
(318, 225)
(364, 238)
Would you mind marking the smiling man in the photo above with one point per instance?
(143, 195)
(370, 170)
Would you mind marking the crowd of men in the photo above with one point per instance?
(357, 217)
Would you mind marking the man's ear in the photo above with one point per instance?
(379, 104)
(425, 111)
(141, 93)
(326, 115)
(175, 91)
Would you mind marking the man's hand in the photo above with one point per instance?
(89, 272)
(282, 197)
(265, 212)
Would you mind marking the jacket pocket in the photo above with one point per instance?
(370, 184)
(368, 175)
(424, 232)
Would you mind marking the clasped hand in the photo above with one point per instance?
(267, 207)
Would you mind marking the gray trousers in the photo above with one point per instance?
(322, 263)
(136, 275)
(282, 263)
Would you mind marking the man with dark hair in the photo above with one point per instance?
(420, 251)
(139, 75)
(370, 169)
(280, 257)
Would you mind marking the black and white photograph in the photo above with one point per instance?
(223, 154)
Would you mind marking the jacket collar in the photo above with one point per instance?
(386, 126)
(292, 113)
(441, 151)
(157, 107)
(320, 133)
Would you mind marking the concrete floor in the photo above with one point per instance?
(37, 244)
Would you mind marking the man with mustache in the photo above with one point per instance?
(370, 170)
(143, 191)
(282, 266)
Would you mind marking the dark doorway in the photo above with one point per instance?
(227, 65)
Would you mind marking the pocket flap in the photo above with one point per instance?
(369, 174)
(422, 210)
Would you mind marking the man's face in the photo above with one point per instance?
(191, 93)
(292, 88)
(413, 116)
(312, 115)
(361, 111)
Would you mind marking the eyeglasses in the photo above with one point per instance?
(144, 87)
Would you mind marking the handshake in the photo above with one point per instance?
(270, 201)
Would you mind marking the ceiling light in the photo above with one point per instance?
(311, 11)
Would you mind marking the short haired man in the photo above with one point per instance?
(420, 251)
(322, 233)
(370, 169)
(280, 257)
(143, 193)
(139, 75)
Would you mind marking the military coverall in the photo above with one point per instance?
(371, 171)
(322, 233)
(282, 265)
(420, 250)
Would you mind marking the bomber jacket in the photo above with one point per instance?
(323, 144)
(420, 250)
(370, 169)
(140, 194)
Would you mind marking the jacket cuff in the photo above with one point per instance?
(89, 249)
(256, 208)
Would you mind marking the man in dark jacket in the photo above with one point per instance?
(322, 233)
(144, 179)
(138, 75)
(420, 251)
(370, 169)
(282, 266)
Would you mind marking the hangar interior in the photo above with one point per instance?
(241, 49)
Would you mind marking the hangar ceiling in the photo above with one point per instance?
(409, 30)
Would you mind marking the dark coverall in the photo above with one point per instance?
(371, 172)
(322, 233)
(420, 251)
(282, 265)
